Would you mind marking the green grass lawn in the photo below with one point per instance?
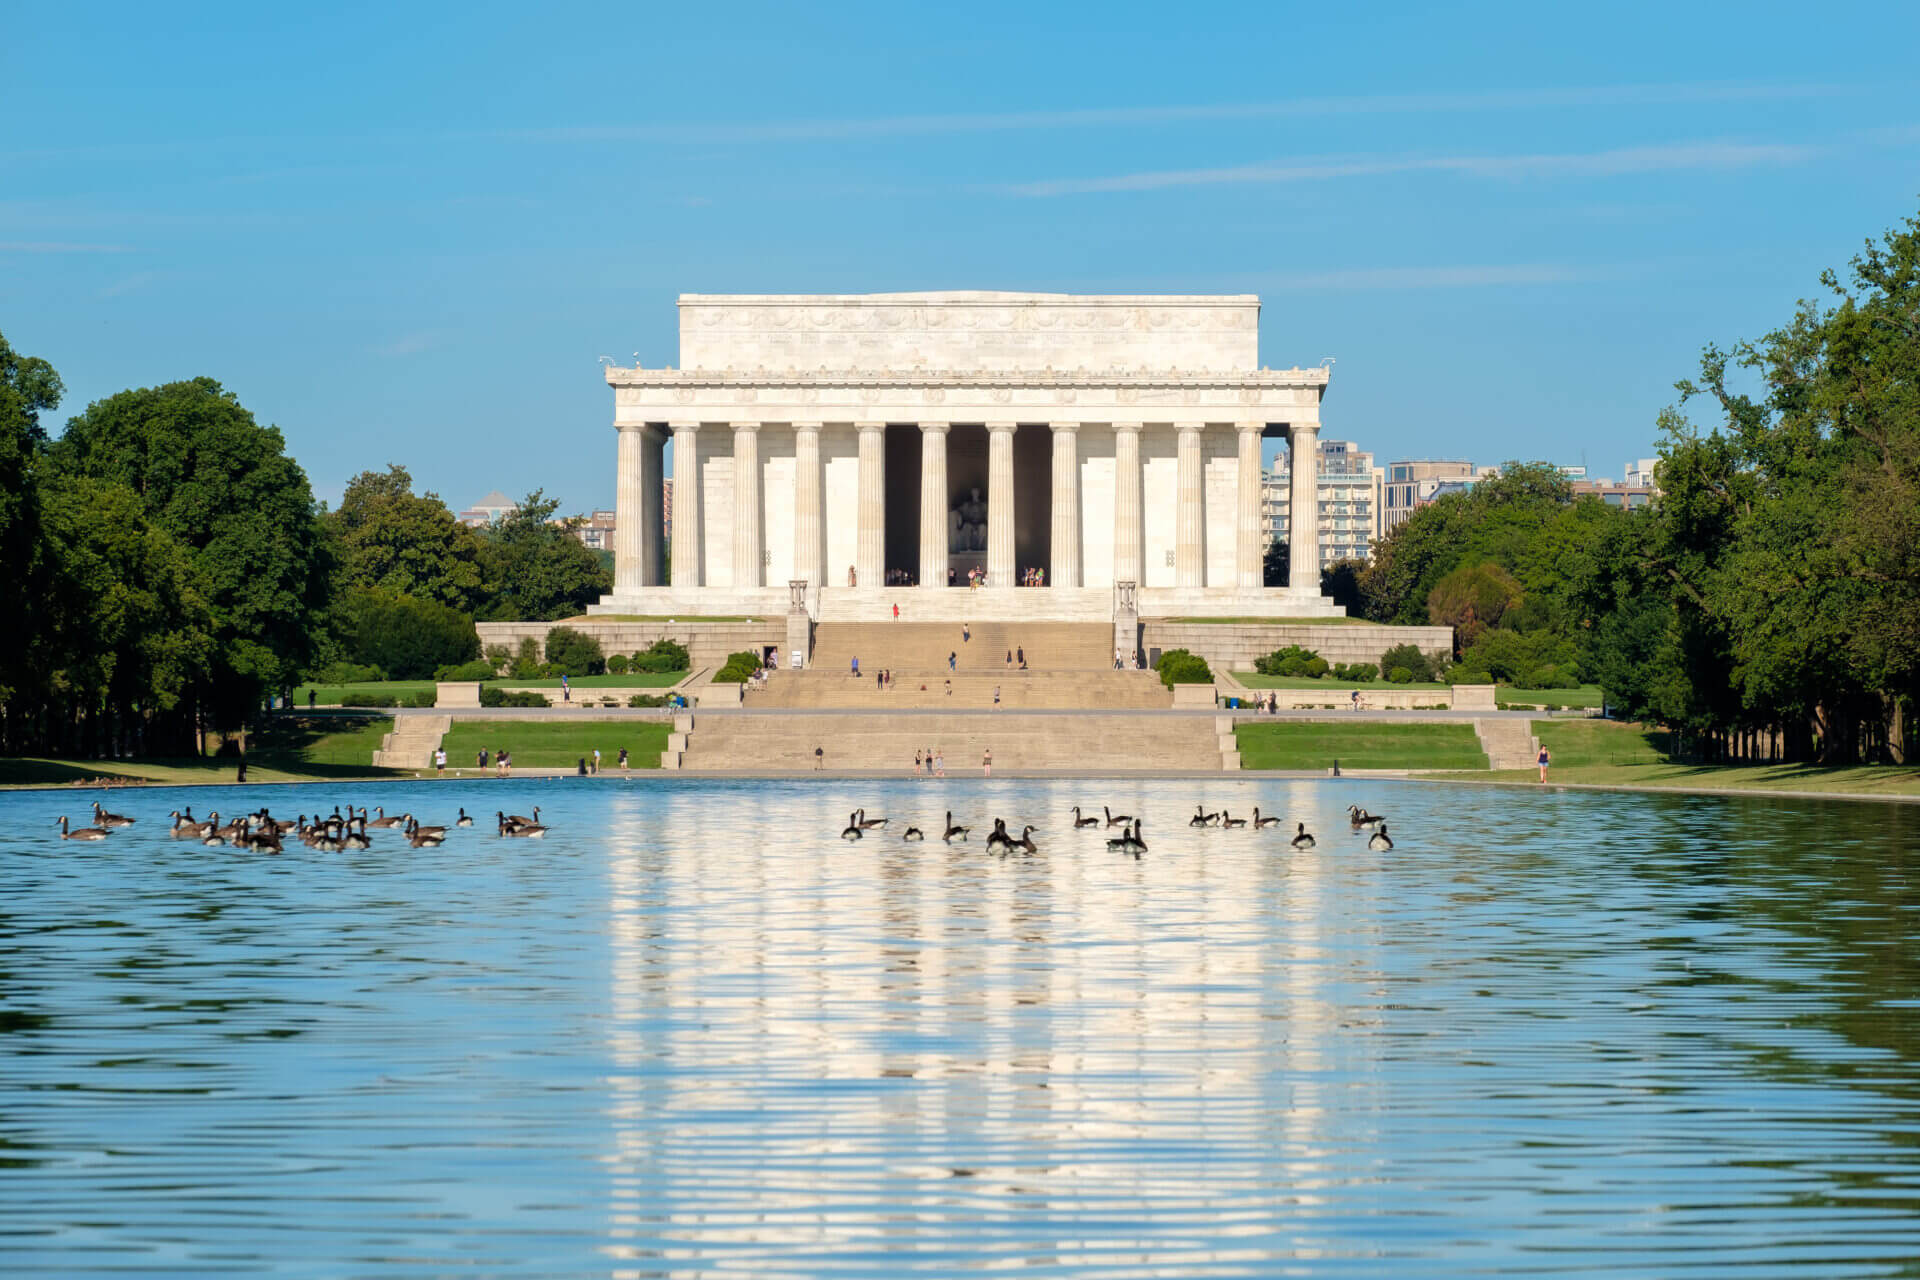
(1278, 622)
(331, 695)
(1576, 743)
(538, 744)
(1865, 779)
(1332, 688)
(1312, 745)
(635, 680)
(293, 749)
(1586, 696)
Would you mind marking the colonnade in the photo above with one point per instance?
(638, 542)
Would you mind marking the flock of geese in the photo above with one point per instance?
(261, 832)
(1003, 841)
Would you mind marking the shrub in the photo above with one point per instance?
(1473, 598)
(1408, 656)
(1292, 661)
(495, 697)
(424, 698)
(526, 660)
(617, 665)
(739, 668)
(1551, 677)
(407, 638)
(1357, 672)
(1315, 668)
(349, 673)
(663, 655)
(497, 656)
(549, 671)
(1181, 666)
(575, 652)
(1513, 656)
(369, 700)
(1400, 675)
(647, 700)
(478, 669)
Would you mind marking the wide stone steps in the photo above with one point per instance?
(412, 742)
(924, 646)
(1509, 743)
(1037, 690)
(745, 742)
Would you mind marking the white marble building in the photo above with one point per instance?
(840, 440)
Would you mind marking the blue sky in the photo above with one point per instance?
(405, 233)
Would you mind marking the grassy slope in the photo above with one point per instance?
(292, 750)
(1312, 745)
(538, 744)
(637, 680)
(331, 695)
(1585, 696)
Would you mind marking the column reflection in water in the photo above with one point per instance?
(833, 1045)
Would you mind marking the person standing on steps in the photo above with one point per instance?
(916, 762)
(951, 659)
(966, 632)
(896, 611)
(996, 697)
(986, 762)
(1020, 657)
(1546, 758)
(623, 759)
(596, 760)
(940, 764)
(1009, 659)
(853, 578)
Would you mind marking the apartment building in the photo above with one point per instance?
(1349, 500)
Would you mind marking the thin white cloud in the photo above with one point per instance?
(1447, 277)
(411, 344)
(845, 129)
(60, 246)
(1610, 163)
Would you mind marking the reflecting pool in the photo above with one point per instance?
(694, 1031)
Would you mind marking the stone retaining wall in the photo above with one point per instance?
(708, 643)
(1234, 646)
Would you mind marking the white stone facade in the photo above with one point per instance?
(1112, 439)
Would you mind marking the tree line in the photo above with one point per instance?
(1767, 605)
(172, 569)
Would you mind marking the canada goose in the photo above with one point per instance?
(84, 833)
(515, 820)
(1129, 841)
(1301, 840)
(1025, 842)
(260, 841)
(464, 820)
(1079, 821)
(426, 837)
(328, 838)
(354, 834)
(183, 825)
(998, 837)
(954, 833)
(438, 833)
(1360, 817)
(912, 834)
(1259, 821)
(866, 823)
(527, 831)
(1116, 819)
(1381, 841)
(101, 818)
(1228, 821)
(1201, 818)
(182, 819)
(852, 830)
(384, 821)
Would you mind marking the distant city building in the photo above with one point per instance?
(1348, 501)
(595, 531)
(1412, 483)
(1615, 495)
(487, 510)
(1640, 472)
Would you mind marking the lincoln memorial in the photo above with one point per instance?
(897, 448)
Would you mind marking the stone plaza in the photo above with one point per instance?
(947, 452)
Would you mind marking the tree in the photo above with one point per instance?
(223, 488)
(393, 541)
(28, 385)
(1471, 599)
(575, 652)
(538, 569)
(1273, 564)
(406, 638)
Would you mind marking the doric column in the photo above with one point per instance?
(809, 531)
(870, 551)
(686, 504)
(746, 504)
(933, 504)
(1247, 548)
(1000, 569)
(1303, 516)
(1129, 553)
(1065, 569)
(1190, 516)
(653, 503)
(629, 510)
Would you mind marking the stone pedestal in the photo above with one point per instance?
(1126, 621)
(799, 626)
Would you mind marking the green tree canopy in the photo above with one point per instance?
(538, 569)
(394, 541)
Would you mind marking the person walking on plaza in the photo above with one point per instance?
(566, 690)
(929, 762)
(1546, 758)
(440, 760)
(596, 759)
(996, 697)
(623, 759)
(1356, 699)
(1009, 659)
(966, 632)
(853, 578)
(1020, 656)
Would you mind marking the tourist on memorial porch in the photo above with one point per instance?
(916, 761)
(856, 667)
(1020, 656)
(853, 578)
(940, 763)
(996, 697)
(896, 611)
(1009, 659)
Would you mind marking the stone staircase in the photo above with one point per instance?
(923, 646)
(734, 742)
(412, 742)
(1509, 743)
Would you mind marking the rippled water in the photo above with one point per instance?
(694, 1031)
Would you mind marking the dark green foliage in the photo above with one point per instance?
(1273, 564)
(538, 570)
(478, 669)
(1180, 666)
(1513, 657)
(492, 696)
(1357, 672)
(662, 655)
(739, 668)
(390, 540)
(408, 639)
(574, 653)
(348, 673)
(648, 699)
(1292, 661)
(1472, 598)
(423, 698)
(526, 660)
(1340, 582)
(1408, 658)
(617, 665)
(1400, 675)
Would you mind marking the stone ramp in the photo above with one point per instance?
(923, 646)
(964, 691)
(1509, 743)
(732, 742)
(412, 742)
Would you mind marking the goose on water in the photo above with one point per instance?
(866, 823)
(998, 837)
(913, 834)
(954, 833)
(515, 820)
(1268, 821)
(101, 818)
(384, 821)
(852, 830)
(1360, 817)
(1129, 841)
(464, 821)
(82, 833)
(1301, 838)
(1201, 818)
(524, 831)
(1228, 821)
(1116, 819)
(1381, 842)
(1079, 821)
(1025, 842)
